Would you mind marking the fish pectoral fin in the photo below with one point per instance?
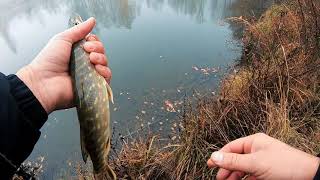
(108, 145)
(110, 93)
(83, 149)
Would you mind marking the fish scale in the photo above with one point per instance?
(92, 96)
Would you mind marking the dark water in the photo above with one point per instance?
(156, 49)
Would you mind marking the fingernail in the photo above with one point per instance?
(91, 18)
(91, 38)
(217, 157)
(89, 45)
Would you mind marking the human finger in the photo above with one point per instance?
(210, 164)
(104, 71)
(98, 58)
(236, 175)
(92, 37)
(78, 32)
(239, 146)
(233, 161)
(251, 178)
(223, 174)
(93, 46)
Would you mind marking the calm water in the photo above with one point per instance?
(156, 50)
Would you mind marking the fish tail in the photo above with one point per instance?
(107, 174)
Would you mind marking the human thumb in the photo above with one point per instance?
(232, 161)
(78, 32)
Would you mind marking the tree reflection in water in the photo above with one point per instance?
(122, 13)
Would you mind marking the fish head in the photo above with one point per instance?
(75, 19)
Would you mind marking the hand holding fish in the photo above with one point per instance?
(48, 74)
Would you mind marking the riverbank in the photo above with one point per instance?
(274, 89)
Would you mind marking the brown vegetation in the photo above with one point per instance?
(275, 90)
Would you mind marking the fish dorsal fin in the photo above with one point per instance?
(83, 149)
(110, 93)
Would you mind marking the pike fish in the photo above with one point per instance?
(92, 95)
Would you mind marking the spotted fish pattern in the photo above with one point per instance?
(92, 95)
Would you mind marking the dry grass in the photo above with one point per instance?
(142, 159)
(275, 90)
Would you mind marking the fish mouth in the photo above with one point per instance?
(75, 19)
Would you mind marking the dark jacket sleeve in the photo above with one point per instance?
(21, 117)
(317, 176)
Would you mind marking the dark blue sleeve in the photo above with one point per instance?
(21, 117)
(317, 176)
